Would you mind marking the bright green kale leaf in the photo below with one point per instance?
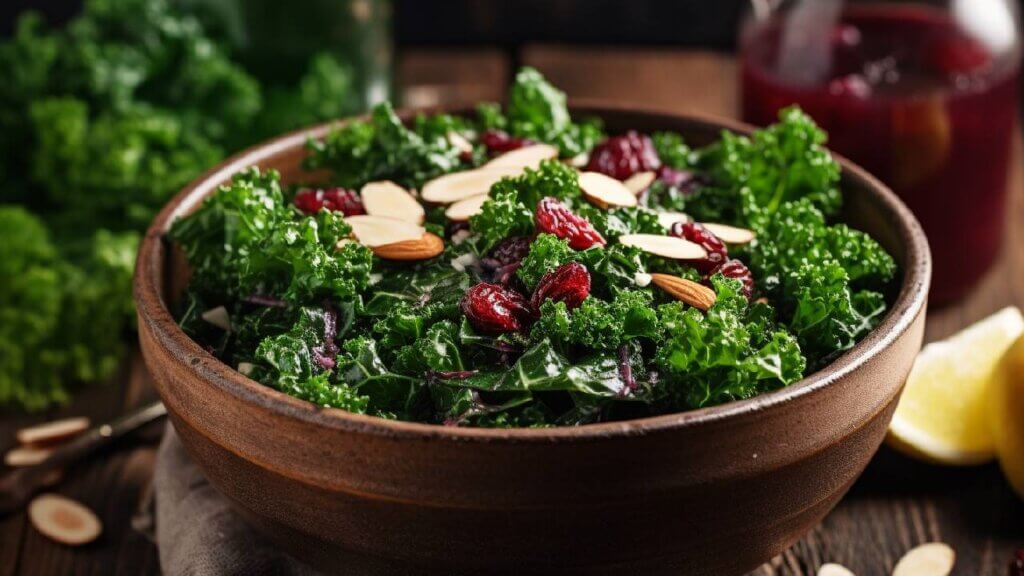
(552, 178)
(708, 358)
(547, 252)
(753, 177)
(390, 395)
(597, 324)
(619, 221)
(502, 215)
(672, 150)
(383, 149)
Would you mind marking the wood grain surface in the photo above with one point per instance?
(896, 504)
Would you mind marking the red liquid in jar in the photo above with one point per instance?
(908, 95)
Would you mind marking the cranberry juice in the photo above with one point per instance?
(913, 98)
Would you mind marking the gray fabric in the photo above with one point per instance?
(198, 534)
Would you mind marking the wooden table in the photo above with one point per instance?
(897, 503)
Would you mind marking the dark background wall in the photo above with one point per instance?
(512, 23)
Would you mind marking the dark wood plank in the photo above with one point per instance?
(428, 78)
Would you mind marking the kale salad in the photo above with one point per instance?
(522, 268)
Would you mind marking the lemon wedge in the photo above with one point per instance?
(944, 413)
(1006, 405)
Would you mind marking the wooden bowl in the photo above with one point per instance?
(715, 491)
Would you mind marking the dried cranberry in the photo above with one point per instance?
(499, 142)
(555, 218)
(738, 271)
(495, 309)
(341, 200)
(698, 234)
(511, 250)
(622, 156)
(1017, 564)
(569, 283)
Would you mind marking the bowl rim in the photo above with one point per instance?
(909, 303)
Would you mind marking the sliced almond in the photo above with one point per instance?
(23, 456)
(218, 316)
(667, 219)
(696, 295)
(374, 231)
(932, 559)
(525, 157)
(731, 234)
(63, 520)
(53, 432)
(426, 246)
(459, 142)
(640, 181)
(461, 185)
(604, 191)
(831, 569)
(665, 246)
(465, 209)
(385, 198)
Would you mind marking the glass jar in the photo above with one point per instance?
(924, 95)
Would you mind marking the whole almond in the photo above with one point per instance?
(696, 295)
(425, 247)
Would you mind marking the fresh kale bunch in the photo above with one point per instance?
(288, 299)
(100, 123)
(60, 322)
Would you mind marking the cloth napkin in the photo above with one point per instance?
(197, 532)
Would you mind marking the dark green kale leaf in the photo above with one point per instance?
(709, 358)
(383, 149)
(390, 395)
(616, 222)
(542, 369)
(437, 351)
(299, 362)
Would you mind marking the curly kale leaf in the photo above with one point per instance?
(672, 150)
(597, 324)
(437, 350)
(538, 111)
(323, 93)
(502, 215)
(552, 178)
(116, 169)
(542, 369)
(753, 177)
(613, 269)
(60, 324)
(710, 358)
(547, 252)
(300, 362)
(616, 222)
(390, 395)
(383, 149)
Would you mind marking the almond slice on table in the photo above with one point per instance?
(696, 295)
(525, 157)
(604, 191)
(23, 456)
(465, 209)
(385, 198)
(374, 231)
(665, 246)
(426, 246)
(831, 569)
(461, 185)
(667, 219)
(731, 234)
(640, 181)
(54, 432)
(931, 559)
(63, 520)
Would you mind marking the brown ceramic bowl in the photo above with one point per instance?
(715, 491)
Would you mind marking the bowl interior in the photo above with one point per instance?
(868, 205)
